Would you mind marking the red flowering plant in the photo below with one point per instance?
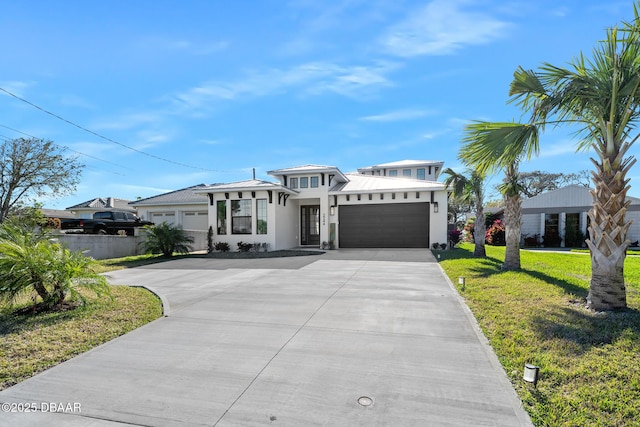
(495, 234)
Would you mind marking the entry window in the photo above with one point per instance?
(304, 182)
(551, 236)
(293, 182)
(221, 208)
(314, 182)
(261, 215)
(406, 173)
(420, 173)
(393, 172)
(241, 216)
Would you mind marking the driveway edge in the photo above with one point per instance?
(166, 310)
(514, 399)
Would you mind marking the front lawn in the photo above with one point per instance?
(31, 343)
(589, 362)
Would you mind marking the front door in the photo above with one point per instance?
(310, 225)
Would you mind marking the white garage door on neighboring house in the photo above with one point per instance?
(160, 217)
(398, 225)
(195, 220)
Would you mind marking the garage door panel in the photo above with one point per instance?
(399, 225)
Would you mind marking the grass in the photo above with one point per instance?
(31, 343)
(590, 362)
(106, 265)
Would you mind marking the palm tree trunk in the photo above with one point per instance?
(480, 232)
(513, 223)
(608, 229)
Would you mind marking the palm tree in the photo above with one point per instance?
(489, 147)
(33, 265)
(602, 96)
(470, 190)
(167, 239)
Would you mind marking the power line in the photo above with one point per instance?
(66, 148)
(104, 137)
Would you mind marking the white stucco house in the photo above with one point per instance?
(398, 204)
(182, 207)
(556, 212)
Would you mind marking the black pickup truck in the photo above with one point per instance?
(107, 222)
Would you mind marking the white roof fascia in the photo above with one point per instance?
(229, 188)
(308, 169)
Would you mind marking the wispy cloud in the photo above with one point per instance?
(16, 87)
(165, 44)
(315, 78)
(128, 120)
(399, 115)
(442, 27)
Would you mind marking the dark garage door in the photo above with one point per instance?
(400, 225)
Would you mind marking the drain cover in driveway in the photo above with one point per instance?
(365, 401)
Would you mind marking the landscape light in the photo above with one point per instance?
(531, 373)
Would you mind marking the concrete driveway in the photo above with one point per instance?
(351, 337)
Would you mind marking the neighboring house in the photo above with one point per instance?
(553, 215)
(319, 206)
(181, 207)
(57, 213)
(88, 208)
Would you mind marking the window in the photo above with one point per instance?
(293, 182)
(393, 172)
(261, 215)
(304, 182)
(314, 182)
(241, 216)
(406, 173)
(221, 208)
(551, 236)
(420, 173)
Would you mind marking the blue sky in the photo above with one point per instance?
(204, 91)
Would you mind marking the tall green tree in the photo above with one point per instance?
(469, 188)
(31, 168)
(600, 95)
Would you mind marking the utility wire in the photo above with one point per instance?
(66, 148)
(104, 137)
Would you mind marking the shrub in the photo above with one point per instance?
(495, 234)
(573, 236)
(31, 263)
(454, 236)
(244, 247)
(222, 246)
(167, 239)
(468, 230)
(532, 241)
(210, 246)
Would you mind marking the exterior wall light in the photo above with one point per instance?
(435, 207)
(332, 210)
(531, 373)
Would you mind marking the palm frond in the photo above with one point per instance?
(488, 147)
